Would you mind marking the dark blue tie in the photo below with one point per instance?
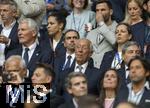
(26, 56)
(68, 62)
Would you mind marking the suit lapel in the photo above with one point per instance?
(60, 44)
(144, 96)
(13, 31)
(35, 56)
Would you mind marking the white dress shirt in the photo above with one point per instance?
(72, 58)
(5, 32)
(84, 66)
(31, 50)
(136, 97)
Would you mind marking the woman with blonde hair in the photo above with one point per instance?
(134, 18)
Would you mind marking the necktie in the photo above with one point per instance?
(68, 62)
(26, 56)
(80, 68)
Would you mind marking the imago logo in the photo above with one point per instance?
(26, 93)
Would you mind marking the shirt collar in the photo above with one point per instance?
(10, 26)
(84, 66)
(72, 55)
(75, 103)
(31, 47)
(146, 85)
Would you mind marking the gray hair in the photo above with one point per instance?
(73, 75)
(31, 23)
(128, 44)
(17, 57)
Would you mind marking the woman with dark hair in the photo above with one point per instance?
(109, 88)
(55, 27)
(113, 58)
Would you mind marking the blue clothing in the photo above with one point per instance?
(138, 32)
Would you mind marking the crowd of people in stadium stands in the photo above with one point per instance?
(75, 53)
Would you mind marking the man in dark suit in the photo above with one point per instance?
(44, 76)
(138, 91)
(76, 85)
(30, 50)
(83, 52)
(66, 61)
(8, 28)
(130, 49)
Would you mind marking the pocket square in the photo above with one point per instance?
(147, 100)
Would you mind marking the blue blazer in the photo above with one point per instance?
(13, 36)
(46, 42)
(107, 61)
(124, 93)
(39, 55)
(93, 77)
(67, 104)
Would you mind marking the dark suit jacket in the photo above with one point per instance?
(55, 101)
(58, 66)
(39, 55)
(68, 104)
(46, 42)
(13, 36)
(124, 93)
(122, 75)
(93, 77)
(107, 61)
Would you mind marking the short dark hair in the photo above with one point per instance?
(143, 61)
(105, 1)
(145, 1)
(73, 75)
(71, 30)
(48, 70)
(60, 18)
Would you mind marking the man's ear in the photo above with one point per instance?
(148, 74)
(145, 6)
(69, 90)
(34, 33)
(49, 79)
(111, 12)
(130, 36)
(24, 72)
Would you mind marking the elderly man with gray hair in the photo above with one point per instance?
(83, 64)
(29, 49)
(129, 51)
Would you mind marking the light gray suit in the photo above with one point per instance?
(103, 39)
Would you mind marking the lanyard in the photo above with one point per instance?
(117, 58)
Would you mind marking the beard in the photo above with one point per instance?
(137, 80)
(106, 18)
